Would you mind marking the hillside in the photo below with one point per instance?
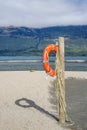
(31, 41)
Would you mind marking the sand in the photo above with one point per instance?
(76, 74)
(25, 100)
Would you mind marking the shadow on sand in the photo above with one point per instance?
(30, 103)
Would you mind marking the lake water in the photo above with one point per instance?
(24, 63)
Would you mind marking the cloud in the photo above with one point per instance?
(42, 13)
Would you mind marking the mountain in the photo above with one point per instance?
(49, 32)
(31, 41)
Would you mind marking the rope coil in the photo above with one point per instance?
(60, 87)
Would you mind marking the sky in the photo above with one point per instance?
(43, 13)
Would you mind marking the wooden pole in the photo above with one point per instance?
(60, 83)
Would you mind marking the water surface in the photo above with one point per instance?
(24, 63)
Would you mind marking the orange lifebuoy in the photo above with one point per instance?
(45, 58)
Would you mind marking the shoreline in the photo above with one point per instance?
(68, 74)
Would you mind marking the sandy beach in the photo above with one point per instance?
(25, 100)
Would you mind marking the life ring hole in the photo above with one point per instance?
(52, 59)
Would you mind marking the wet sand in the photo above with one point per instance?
(76, 97)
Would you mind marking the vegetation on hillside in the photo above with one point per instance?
(15, 41)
